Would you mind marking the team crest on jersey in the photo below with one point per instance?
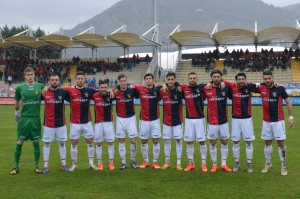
(60, 98)
(274, 94)
(223, 93)
(198, 91)
(246, 90)
(36, 92)
(175, 97)
(108, 99)
(128, 95)
(154, 93)
(86, 94)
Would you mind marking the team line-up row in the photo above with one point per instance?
(194, 94)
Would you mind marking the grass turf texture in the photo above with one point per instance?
(147, 183)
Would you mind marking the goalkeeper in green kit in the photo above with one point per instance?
(28, 95)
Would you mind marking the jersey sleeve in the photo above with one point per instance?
(67, 96)
(284, 93)
(18, 94)
(137, 87)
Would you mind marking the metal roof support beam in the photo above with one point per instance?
(59, 31)
(90, 30)
(155, 33)
(212, 35)
(123, 29)
(28, 31)
(177, 29)
(255, 36)
(149, 41)
(297, 24)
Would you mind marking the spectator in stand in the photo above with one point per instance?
(104, 70)
(297, 53)
(9, 79)
(224, 71)
(291, 52)
(94, 81)
(116, 82)
(1, 75)
(129, 65)
(134, 60)
(147, 59)
(286, 51)
(137, 59)
(111, 82)
(88, 82)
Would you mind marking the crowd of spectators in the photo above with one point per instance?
(246, 61)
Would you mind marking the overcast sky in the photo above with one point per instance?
(50, 15)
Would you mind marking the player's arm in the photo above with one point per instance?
(17, 112)
(290, 110)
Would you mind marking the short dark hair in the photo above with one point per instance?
(121, 76)
(267, 72)
(103, 82)
(192, 73)
(148, 74)
(214, 72)
(240, 74)
(171, 74)
(79, 73)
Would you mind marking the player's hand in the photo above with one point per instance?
(208, 86)
(45, 90)
(222, 85)
(17, 115)
(164, 88)
(21, 103)
(116, 91)
(276, 84)
(111, 94)
(291, 123)
(179, 89)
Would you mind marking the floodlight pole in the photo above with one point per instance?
(255, 33)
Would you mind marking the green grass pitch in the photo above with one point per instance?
(147, 183)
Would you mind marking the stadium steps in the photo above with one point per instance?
(219, 65)
(295, 70)
(73, 71)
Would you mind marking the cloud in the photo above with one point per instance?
(51, 15)
(280, 3)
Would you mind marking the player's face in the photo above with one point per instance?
(216, 78)
(54, 81)
(103, 88)
(241, 81)
(268, 80)
(192, 80)
(149, 80)
(123, 83)
(80, 80)
(171, 81)
(29, 77)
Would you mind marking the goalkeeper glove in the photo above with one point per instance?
(17, 115)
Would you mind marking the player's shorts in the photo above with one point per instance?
(172, 132)
(149, 129)
(273, 130)
(194, 129)
(29, 128)
(218, 131)
(126, 125)
(104, 131)
(60, 133)
(242, 127)
(86, 130)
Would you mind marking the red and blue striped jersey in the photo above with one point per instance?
(194, 104)
(272, 102)
(125, 102)
(54, 113)
(172, 107)
(103, 107)
(80, 104)
(149, 100)
(217, 110)
(241, 99)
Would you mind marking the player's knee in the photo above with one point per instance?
(248, 143)
(61, 144)
(145, 141)
(99, 144)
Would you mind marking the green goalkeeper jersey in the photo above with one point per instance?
(31, 97)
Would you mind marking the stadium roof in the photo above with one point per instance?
(92, 40)
(57, 40)
(127, 39)
(25, 41)
(4, 45)
(236, 36)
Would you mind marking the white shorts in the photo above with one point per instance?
(218, 131)
(194, 129)
(86, 130)
(273, 130)
(149, 129)
(126, 125)
(242, 127)
(172, 132)
(104, 130)
(60, 133)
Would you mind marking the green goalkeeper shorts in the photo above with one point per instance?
(29, 128)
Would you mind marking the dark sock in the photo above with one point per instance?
(36, 146)
(18, 152)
